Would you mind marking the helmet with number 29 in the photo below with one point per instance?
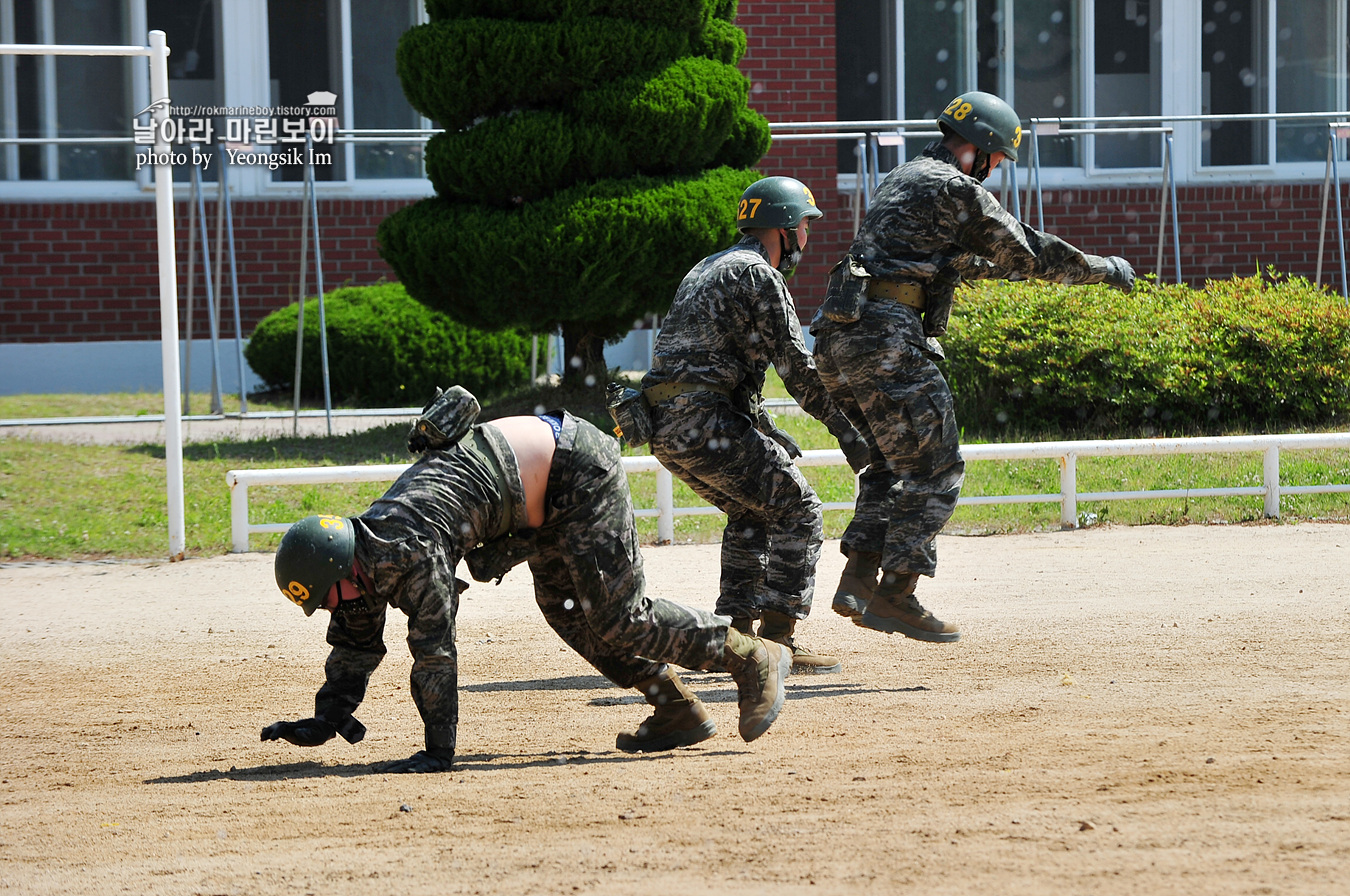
(985, 120)
(314, 554)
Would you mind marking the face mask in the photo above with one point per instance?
(790, 253)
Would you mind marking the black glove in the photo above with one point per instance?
(788, 442)
(1119, 273)
(856, 450)
(304, 733)
(421, 762)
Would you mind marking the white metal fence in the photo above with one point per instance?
(156, 51)
(1067, 453)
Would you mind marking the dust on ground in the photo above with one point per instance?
(1132, 710)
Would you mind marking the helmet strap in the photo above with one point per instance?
(789, 251)
(979, 168)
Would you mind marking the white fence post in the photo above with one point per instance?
(665, 506)
(238, 513)
(1068, 490)
(1270, 478)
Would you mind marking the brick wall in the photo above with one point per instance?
(87, 271)
(76, 272)
(791, 66)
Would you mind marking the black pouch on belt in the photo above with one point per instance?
(632, 418)
(444, 421)
(938, 299)
(846, 292)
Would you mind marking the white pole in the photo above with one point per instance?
(1068, 491)
(168, 300)
(1270, 478)
(665, 505)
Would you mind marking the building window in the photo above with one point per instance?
(65, 96)
(346, 47)
(343, 47)
(1104, 58)
(1310, 72)
(1126, 79)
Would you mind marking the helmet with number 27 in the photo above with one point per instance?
(775, 202)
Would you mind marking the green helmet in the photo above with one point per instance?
(314, 554)
(984, 120)
(775, 202)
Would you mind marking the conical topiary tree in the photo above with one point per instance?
(593, 152)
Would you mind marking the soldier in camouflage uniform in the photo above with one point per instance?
(731, 317)
(931, 224)
(550, 490)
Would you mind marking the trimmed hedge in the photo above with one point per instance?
(678, 120)
(593, 151)
(691, 15)
(1248, 352)
(604, 252)
(385, 349)
(457, 70)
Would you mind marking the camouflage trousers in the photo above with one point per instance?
(774, 529)
(893, 393)
(588, 578)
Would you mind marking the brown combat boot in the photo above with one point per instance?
(778, 627)
(743, 624)
(680, 718)
(857, 584)
(759, 668)
(894, 608)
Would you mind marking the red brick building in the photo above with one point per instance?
(77, 229)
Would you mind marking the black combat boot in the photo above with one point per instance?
(857, 584)
(779, 627)
(679, 719)
(894, 608)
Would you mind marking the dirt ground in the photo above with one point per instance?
(1131, 710)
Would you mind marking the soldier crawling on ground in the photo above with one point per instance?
(549, 490)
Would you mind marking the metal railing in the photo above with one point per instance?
(1066, 453)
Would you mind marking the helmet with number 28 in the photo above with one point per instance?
(775, 202)
(314, 554)
(985, 120)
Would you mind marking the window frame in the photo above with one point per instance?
(243, 40)
(1181, 23)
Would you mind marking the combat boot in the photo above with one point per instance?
(679, 720)
(743, 624)
(778, 627)
(894, 608)
(759, 669)
(857, 584)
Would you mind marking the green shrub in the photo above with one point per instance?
(592, 252)
(675, 121)
(748, 142)
(690, 15)
(457, 70)
(385, 349)
(1247, 352)
(593, 151)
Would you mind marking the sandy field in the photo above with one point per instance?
(1131, 711)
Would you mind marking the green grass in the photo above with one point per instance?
(83, 502)
(132, 404)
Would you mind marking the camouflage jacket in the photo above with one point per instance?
(409, 542)
(927, 214)
(731, 318)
